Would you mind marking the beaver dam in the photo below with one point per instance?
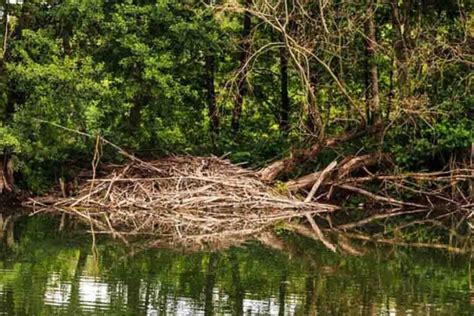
(194, 201)
(180, 199)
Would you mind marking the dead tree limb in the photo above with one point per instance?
(320, 180)
(355, 163)
(379, 198)
(271, 172)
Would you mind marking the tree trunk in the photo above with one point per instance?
(210, 69)
(135, 115)
(371, 47)
(139, 103)
(65, 34)
(367, 81)
(6, 173)
(391, 95)
(8, 108)
(212, 111)
(6, 30)
(471, 166)
(313, 122)
(285, 100)
(3, 77)
(242, 76)
(402, 44)
(13, 96)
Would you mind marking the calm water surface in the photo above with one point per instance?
(44, 273)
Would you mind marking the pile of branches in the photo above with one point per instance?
(207, 200)
(184, 200)
(391, 206)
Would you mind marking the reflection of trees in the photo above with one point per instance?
(282, 293)
(74, 304)
(8, 302)
(210, 282)
(321, 282)
(238, 293)
(310, 295)
(7, 225)
(133, 293)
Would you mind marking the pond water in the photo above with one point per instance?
(45, 273)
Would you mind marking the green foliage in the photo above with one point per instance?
(135, 72)
(448, 133)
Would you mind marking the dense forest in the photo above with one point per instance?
(296, 83)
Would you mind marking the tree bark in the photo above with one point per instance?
(314, 119)
(212, 111)
(6, 162)
(353, 163)
(135, 117)
(346, 166)
(304, 182)
(374, 109)
(210, 69)
(402, 44)
(242, 76)
(285, 100)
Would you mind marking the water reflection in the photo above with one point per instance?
(42, 272)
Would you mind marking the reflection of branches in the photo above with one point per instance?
(396, 242)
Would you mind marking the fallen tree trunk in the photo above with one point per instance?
(304, 182)
(275, 169)
(347, 166)
(354, 163)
